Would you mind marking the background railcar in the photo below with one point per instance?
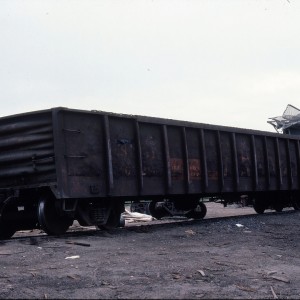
(61, 165)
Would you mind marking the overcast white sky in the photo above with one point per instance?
(233, 63)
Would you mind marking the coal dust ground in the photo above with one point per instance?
(232, 253)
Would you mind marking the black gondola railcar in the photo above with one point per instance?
(60, 165)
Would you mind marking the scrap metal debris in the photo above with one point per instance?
(245, 288)
(73, 277)
(190, 232)
(201, 272)
(274, 294)
(78, 243)
(280, 278)
(176, 275)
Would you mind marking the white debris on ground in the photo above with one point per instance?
(239, 225)
(72, 257)
(131, 217)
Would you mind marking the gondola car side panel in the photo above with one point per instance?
(80, 154)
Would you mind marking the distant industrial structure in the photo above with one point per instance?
(289, 122)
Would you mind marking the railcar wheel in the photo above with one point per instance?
(49, 219)
(278, 207)
(5, 231)
(7, 228)
(296, 204)
(154, 212)
(259, 206)
(122, 222)
(199, 212)
(113, 221)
